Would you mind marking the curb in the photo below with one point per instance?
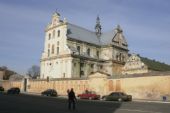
(152, 101)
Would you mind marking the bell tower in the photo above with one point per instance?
(98, 27)
(55, 18)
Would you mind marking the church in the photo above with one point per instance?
(71, 51)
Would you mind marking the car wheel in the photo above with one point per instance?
(120, 99)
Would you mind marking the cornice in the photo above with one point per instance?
(50, 28)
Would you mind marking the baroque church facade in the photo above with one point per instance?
(71, 51)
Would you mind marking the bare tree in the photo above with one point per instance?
(4, 67)
(34, 71)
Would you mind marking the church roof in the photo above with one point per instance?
(106, 38)
(82, 34)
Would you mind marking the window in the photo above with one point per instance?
(81, 64)
(58, 33)
(54, 34)
(88, 51)
(58, 50)
(64, 75)
(49, 36)
(74, 64)
(58, 47)
(82, 73)
(78, 49)
(48, 79)
(52, 49)
(117, 57)
(68, 31)
(101, 67)
(97, 53)
(92, 65)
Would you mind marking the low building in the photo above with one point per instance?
(2, 73)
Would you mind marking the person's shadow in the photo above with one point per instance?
(86, 106)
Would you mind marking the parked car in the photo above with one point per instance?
(49, 92)
(117, 96)
(13, 90)
(91, 95)
(1, 89)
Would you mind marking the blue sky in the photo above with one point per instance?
(146, 25)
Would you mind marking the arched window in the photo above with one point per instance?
(88, 51)
(49, 36)
(58, 49)
(120, 57)
(53, 33)
(117, 57)
(52, 51)
(81, 73)
(58, 33)
(78, 49)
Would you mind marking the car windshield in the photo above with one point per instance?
(123, 94)
(117, 93)
(49, 90)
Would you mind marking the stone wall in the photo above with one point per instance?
(143, 87)
(60, 86)
(153, 87)
(8, 84)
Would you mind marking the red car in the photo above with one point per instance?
(91, 95)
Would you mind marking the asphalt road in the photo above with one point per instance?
(39, 104)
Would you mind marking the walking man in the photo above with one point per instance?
(71, 99)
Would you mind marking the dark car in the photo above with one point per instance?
(13, 90)
(49, 92)
(117, 96)
(91, 95)
(1, 89)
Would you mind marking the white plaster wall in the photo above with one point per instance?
(55, 70)
(106, 53)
